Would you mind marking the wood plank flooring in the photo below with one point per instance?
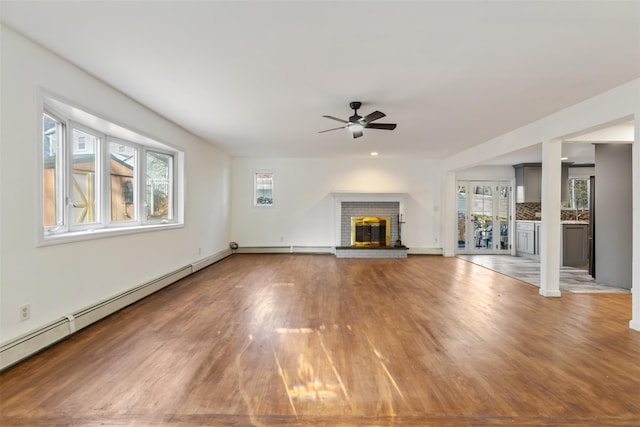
(312, 340)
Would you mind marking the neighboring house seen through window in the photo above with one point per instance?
(95, 181)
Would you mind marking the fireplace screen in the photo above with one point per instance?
(370, 231)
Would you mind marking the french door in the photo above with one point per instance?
(484, 217)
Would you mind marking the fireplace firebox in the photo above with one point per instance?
(370, 231)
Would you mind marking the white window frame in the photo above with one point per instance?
(60, 174)
(255, 188)
(172, 190)
(137, 220)
(107, 132)
(99, 172)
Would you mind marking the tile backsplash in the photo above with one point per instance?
(527, 212)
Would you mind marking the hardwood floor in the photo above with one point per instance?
(312, 340)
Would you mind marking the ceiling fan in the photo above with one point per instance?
(357, 123)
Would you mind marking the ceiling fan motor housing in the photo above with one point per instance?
(355, 105)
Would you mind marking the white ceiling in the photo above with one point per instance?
(255, 78)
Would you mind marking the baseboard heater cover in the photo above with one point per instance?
(26, 345)
(102, 309)
(205, 262)
(32, 342)
(284, 250)
(425, 251)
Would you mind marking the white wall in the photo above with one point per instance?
(56, 280)
(304, 211)
(487, 173)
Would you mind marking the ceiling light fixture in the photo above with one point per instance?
(355, 127)
(374, 153)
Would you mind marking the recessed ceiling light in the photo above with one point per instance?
(564, 158)
(374, 153)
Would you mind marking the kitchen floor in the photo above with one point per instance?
(528, 270)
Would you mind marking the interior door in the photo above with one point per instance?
(484, 217)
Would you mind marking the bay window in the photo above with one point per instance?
(99, 178)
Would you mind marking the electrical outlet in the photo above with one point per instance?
(25, 312)
(199, 251)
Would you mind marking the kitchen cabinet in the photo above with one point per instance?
(564, 183)
(528, 182)
(575, 245)
(525, 237)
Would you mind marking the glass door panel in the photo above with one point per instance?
(504, 214)
(461, 202)
(482, 216)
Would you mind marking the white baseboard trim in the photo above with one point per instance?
(285, 250)
(424, 251)
(205, 262)
(312, 249)
(634, 324)
(17, 349)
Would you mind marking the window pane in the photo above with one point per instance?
(264, 189)
(159, 186)
(581, 193)
(83, 177)
(482, 214)
(504, 214)
(51, 134)
(122, 175)
(462, 216)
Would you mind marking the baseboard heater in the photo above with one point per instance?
(284, 250)
(32, 342)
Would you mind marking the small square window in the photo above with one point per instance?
(263, 189)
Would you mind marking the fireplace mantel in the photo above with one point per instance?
(369, 197)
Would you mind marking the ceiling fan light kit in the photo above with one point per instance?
(356, 123)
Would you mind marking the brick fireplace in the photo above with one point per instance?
(368, 221)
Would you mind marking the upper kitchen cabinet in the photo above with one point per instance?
(528, 182)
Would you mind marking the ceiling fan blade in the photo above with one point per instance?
(335, 118)
(386, 126)
(328, 130)
(373, 116)
(357, 133)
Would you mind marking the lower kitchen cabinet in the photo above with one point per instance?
(575, 245)
(525, 238)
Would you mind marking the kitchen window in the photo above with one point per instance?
(578, 194)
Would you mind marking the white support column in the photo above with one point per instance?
(449, 215)
(551, 239)
(635, 215)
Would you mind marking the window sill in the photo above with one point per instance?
(78, 236)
